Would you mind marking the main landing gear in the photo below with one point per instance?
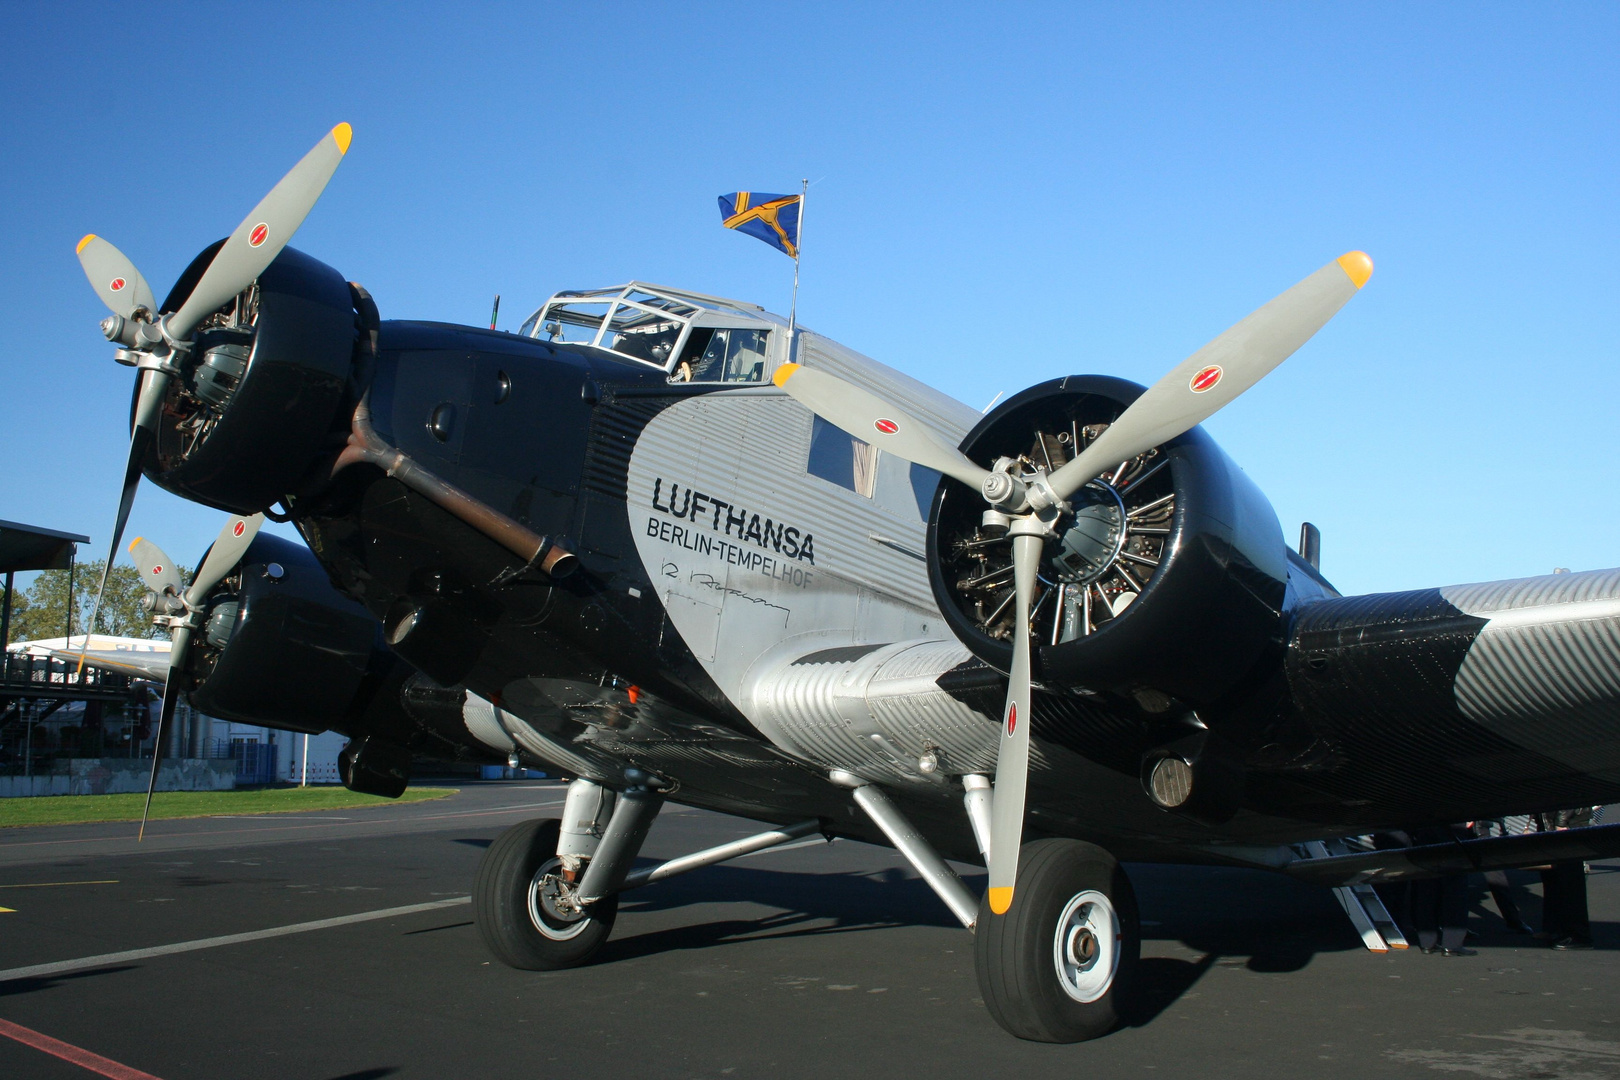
(547, 891)
(521, 910)
(1054, 968)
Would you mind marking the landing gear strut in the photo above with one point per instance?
(547, 891)
(1056, 966)
(525, 916)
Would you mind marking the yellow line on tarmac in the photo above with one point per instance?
(49, 884)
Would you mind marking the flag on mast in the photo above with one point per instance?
(771, 218)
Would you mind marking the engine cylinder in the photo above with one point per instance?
(1166, 581)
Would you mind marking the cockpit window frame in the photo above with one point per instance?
(661, 306)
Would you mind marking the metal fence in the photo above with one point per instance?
(255, 761)
(23, 675)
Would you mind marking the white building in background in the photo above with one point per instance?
(284, 756)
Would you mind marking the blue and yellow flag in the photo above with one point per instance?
(772, 218)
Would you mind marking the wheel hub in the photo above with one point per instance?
(552, 908)
(1082, 947)
(1086, 946)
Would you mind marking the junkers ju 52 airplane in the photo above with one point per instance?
(660, 544)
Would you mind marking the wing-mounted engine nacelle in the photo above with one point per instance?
(256, 403)
(281, 647)
(1165, 582)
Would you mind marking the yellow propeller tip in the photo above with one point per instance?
(1357, 265)
(341, 135)
(84, 243)
(1001, 899)
(132, 544)
(784, 373)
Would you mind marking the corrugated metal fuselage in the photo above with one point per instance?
(741, 626)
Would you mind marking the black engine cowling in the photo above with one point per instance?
(281, 647)
(1167, 583)
(258, 401)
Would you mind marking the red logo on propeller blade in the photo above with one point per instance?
(1012, 719)
(156, 570)
(888, 427)
(256, 237)
(1206, 379)
(116, 285)
(239, 529)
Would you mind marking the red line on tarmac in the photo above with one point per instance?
(84, 1059)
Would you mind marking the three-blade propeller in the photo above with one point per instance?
(155, 566)
(1190, 393)
(164, 342)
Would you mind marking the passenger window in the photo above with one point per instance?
(841, 458)
(924, 482)
(722, 355)
(904, 489)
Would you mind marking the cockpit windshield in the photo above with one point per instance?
(695, 338)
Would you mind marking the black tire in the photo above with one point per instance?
(1017, 955)
(525, 935)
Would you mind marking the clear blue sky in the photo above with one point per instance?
(1001, 194)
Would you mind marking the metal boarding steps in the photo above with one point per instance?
(1378, 930)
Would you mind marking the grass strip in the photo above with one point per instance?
(84, 809)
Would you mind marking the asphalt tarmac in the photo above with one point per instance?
(823, 959)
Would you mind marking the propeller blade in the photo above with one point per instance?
(180, 639)
(153, 386)
(1012, 758)
(228, 547)
(873, 420)
(263, 233)
(227, 551)
(114, 277)
(1213, 376)
(156, 568)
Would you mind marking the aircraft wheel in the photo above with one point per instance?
(515, 903)
(1054, 968)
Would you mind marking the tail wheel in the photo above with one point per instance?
(1055, 968)
(520, 910)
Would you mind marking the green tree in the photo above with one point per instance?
(41, 610)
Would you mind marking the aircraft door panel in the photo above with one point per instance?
(524, 443)
(697, 621)
(420, 400)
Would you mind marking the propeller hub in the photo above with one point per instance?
(1001, 489)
